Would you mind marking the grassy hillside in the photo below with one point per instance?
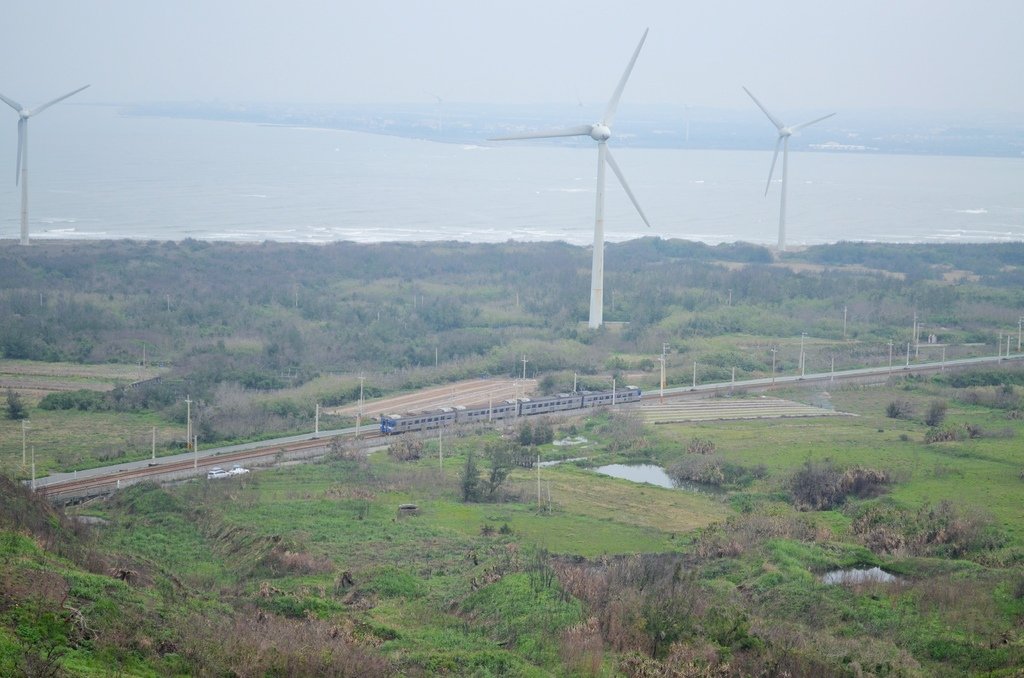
(604, 577)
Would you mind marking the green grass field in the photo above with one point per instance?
(603, 568)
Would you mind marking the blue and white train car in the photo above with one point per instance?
(391, 424)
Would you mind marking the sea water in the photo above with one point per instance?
(95, 173)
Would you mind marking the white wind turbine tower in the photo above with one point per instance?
(599, 132)
(783, 140)
(21, 169)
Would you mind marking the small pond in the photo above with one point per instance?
(653, 474)
(859, 576)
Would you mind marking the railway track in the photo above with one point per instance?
(110, 479)
(107, 479)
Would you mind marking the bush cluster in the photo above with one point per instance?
(819, 486)
(714, 470)
(939, 529)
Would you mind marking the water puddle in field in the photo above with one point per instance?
(91, 520)
(859, 576)
(564, 442)
(653, 474)
(556, 462)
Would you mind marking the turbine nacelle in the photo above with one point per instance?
(600, 132)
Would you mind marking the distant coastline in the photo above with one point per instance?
(649, 126)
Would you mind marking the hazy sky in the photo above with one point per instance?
(802, 54)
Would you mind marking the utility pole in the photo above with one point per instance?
(832, 374)
(943, 357)
(524, 367)
(316, 419)
(574, 382)
(803, 335)
(188, 421)
(153, 450)
(730, 297)
(908, 354)
(24, 458)
(890, 356)
(774, 350)
(613, 390)
(662, 360)
(538, 482)
(732, 383)
(914, 336)
(359, 415)
(695, 374)
(917, 343)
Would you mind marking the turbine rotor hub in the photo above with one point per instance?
(600, 132)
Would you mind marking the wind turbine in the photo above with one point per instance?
(21, 168)
(783, 140)
(599, 132)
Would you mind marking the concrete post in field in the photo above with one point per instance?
(24, 459)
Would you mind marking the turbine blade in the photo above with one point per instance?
(11, 102)
(578, 131)
(775, 121)
(42, 108)
(774, 160)
(21, 149)
(808, 124)
(613, 103)
(622, 180)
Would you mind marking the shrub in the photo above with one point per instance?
(821, 486)
(713, 470)
(15, 407)
(700, 446)
(944, 435)
(87, 401)
(899, 409)
(470, 480)
(406, 449)
(936, 413)
(933, 530)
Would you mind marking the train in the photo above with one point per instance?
(391, 424)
